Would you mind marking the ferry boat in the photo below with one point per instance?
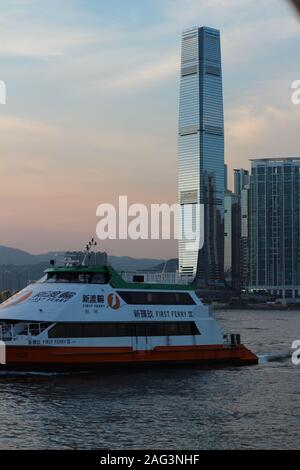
(83, 317)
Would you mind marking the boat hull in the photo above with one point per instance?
(56, 359)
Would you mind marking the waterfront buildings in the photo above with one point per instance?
(201, 151)
(260, 226)
(275, 226)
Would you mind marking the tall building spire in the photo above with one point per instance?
(201, 150)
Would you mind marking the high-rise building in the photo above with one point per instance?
(241, 180)
(232, 239)
(275, 226)
(225, 178)
(201, 150)
(241, 189)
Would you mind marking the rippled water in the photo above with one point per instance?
(247, 407)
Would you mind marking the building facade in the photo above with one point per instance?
(232, 238)
(201, 152)
(275, 226)
(242, 190)
(241, 180)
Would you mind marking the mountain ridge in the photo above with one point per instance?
(16, 257)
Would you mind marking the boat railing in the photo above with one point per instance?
(9, 332)
(156, 277)
(6, 332)
(232, 340)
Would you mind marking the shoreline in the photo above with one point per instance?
(276, 307)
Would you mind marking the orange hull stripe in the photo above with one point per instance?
(80, 355)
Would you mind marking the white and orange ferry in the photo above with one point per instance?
(84, 317)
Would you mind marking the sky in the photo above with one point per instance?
(92, 107)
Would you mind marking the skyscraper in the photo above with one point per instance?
(275, 226)
(242, 190)
(241, 180)
(232, 239)
(225, 177)
(201, 150)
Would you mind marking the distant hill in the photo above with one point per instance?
(125, 263)
(18, 268)
(14, 277)
(171, 266)
(16, 257)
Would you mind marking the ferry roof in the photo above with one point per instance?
(116, 280)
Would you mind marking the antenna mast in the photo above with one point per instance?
(87, 250)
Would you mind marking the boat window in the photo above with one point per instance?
(156, 298)
(76, 278)
(58, 331)
(99, 278)
(101, 330)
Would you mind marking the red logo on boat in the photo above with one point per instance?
(113, 301)
(16, 299)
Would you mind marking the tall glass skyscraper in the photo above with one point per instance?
(201, 150)
(275, 226)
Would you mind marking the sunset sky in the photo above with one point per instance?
(92, 106)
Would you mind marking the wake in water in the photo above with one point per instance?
(40, 374)
(262, 359)
(274, 357)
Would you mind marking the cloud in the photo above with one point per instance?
(38, 42)
(243, 43)
(56, 154)
(261, 131)
(75, 134)
(22, 147)
(54, 176)
(245, 124)
(147, 74)
(32, 29)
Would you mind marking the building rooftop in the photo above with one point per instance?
(275, 159)
(196, 28)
